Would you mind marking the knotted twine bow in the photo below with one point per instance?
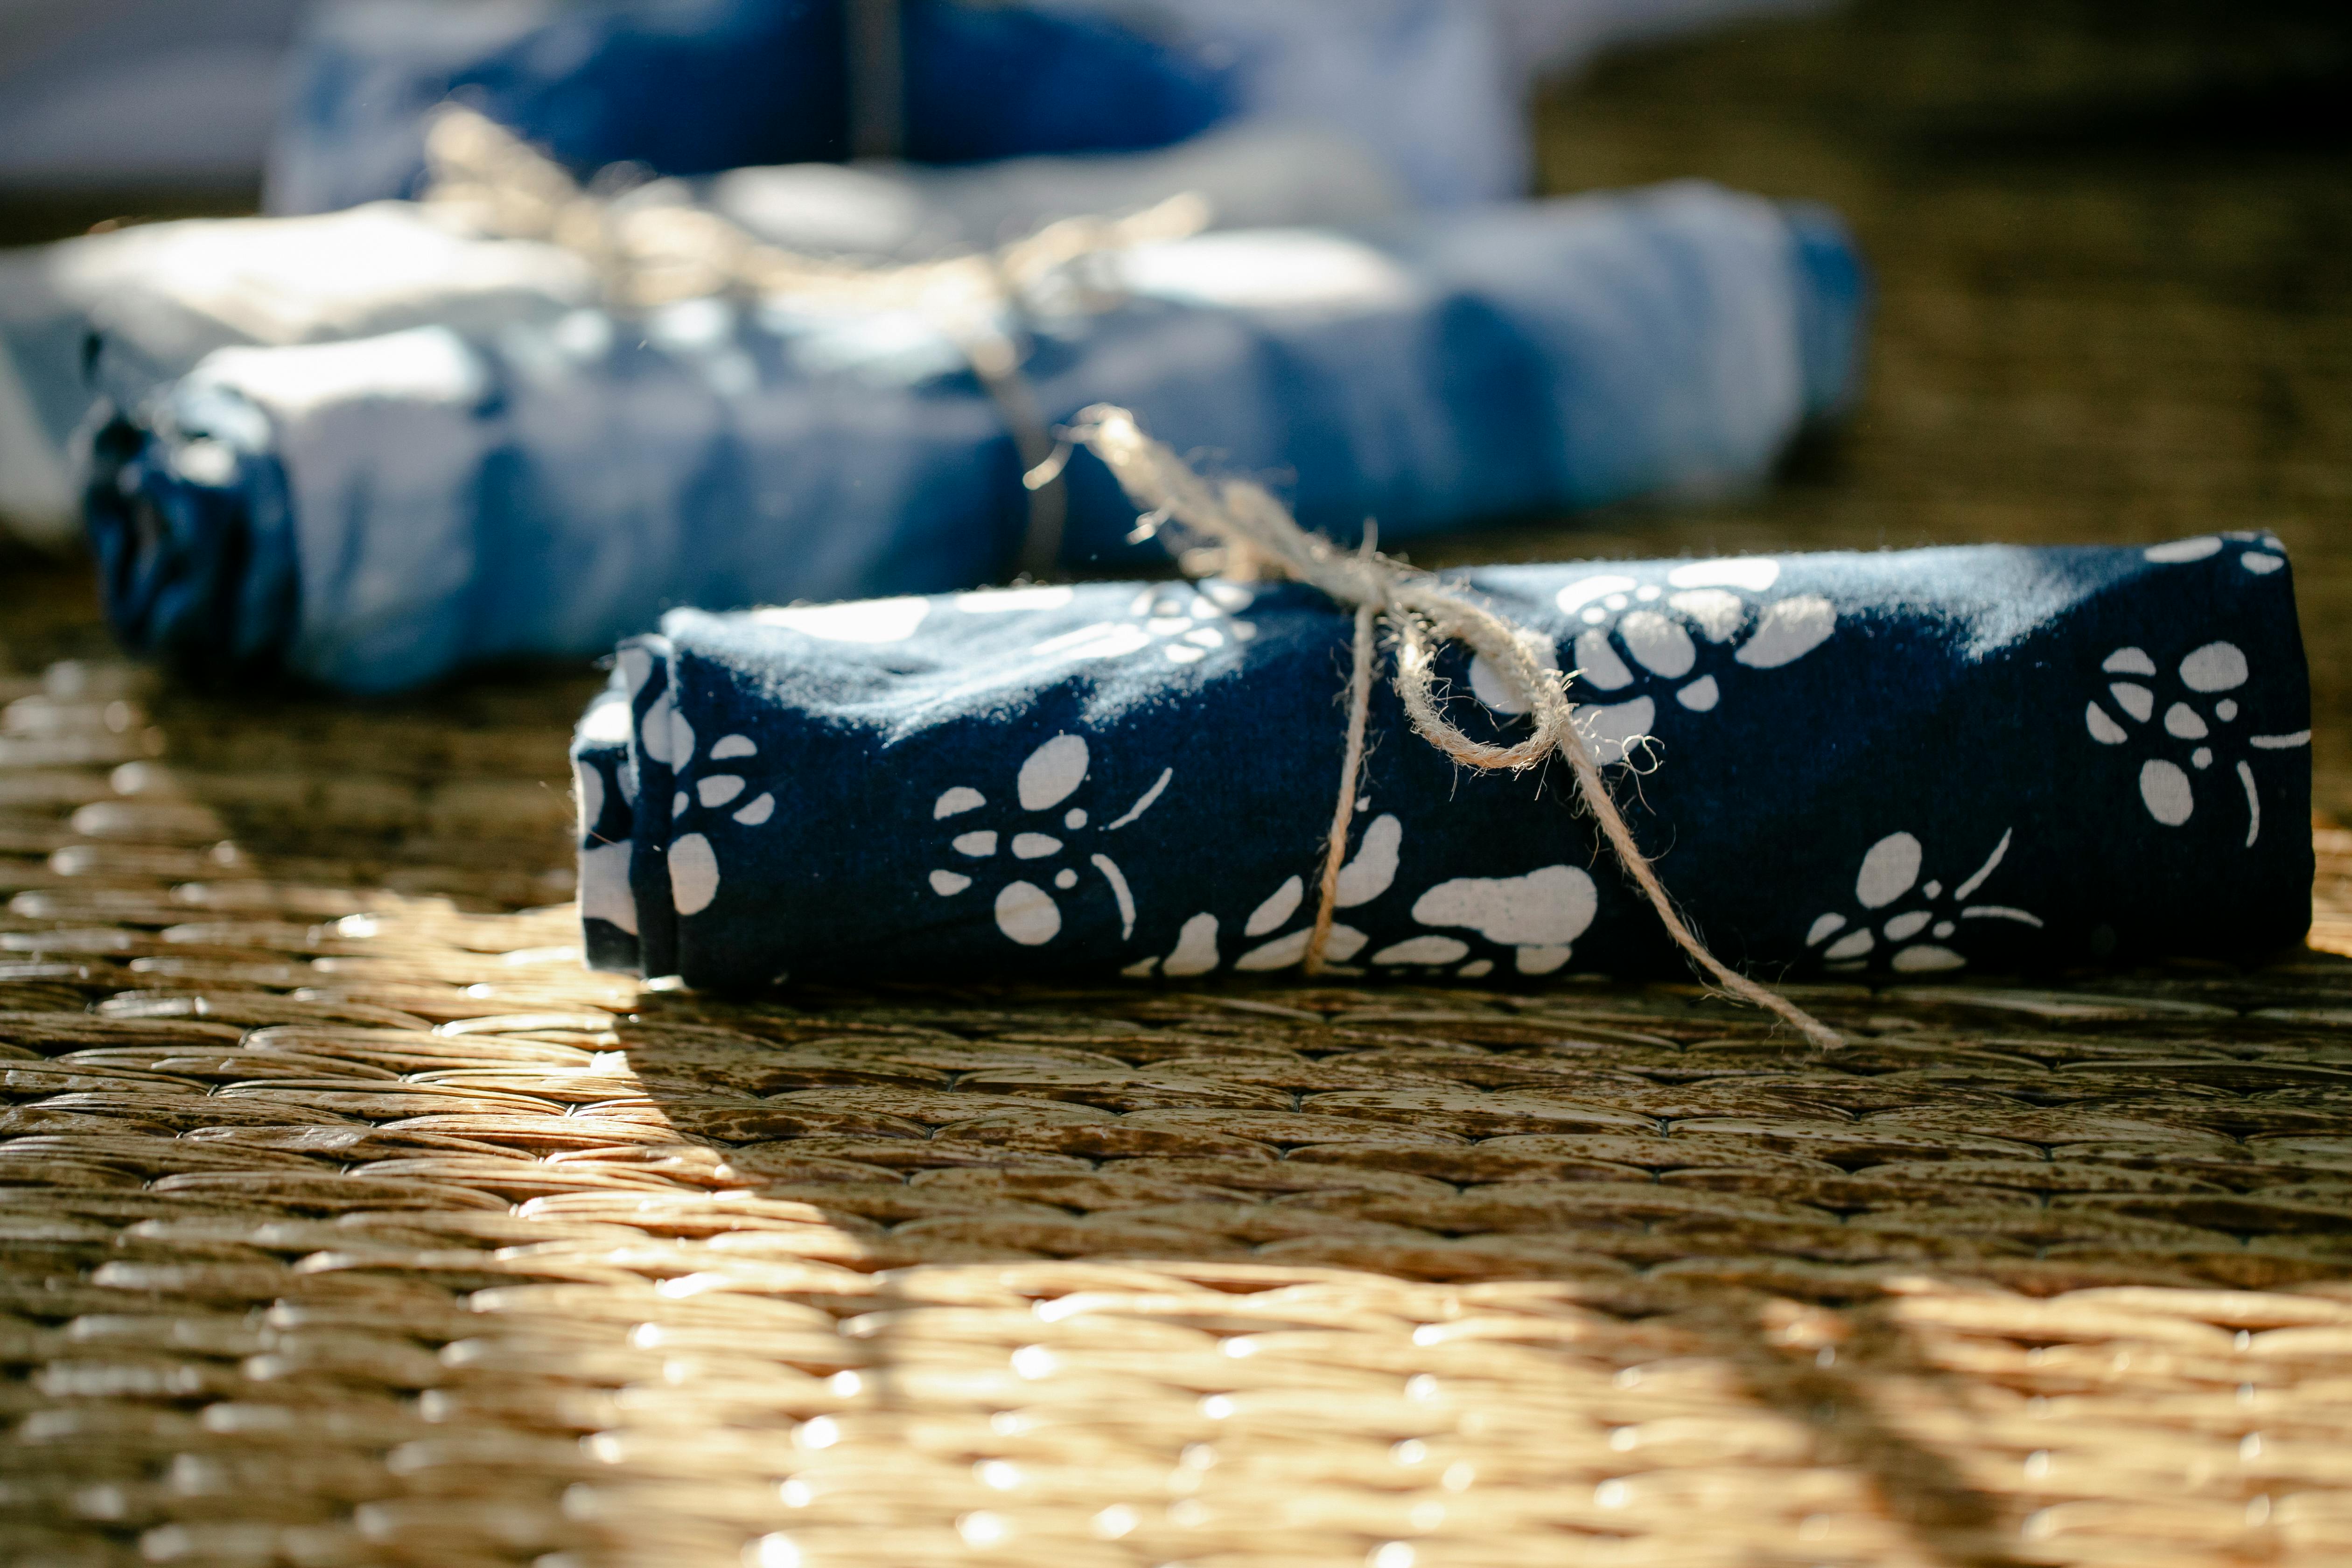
(648, 253)
(1258, 537)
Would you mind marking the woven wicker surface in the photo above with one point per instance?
(350, 1226)
(345, 1220)
(2108, 239)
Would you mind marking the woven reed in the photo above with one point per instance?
(349, 1224)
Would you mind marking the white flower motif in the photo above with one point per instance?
(693, 874)
(1889, 876)
(693, 858)
(1363, 879)
(1024, 912)
(1640, 641)
(858, 621)
(1539, 916)
(2199, 720)
(603, 888)
(1536, 916)
(1009, 601)
(1186, 621)
(605, 891)
(2259, 553)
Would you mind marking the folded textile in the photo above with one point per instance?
(166, 294)
(432, 499)
(1252, 176)
(692, 86)
(1887, 764)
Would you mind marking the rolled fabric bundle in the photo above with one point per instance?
(164, 295)
(440, 498)
(1250, 175)
(1870, 766)
(693, 87)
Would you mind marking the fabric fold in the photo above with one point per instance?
(161, 296)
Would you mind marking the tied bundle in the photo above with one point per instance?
(1246, 533)
(655, 253)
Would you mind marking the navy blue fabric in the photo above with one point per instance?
(1995, 759)
(1000, 81)
(766, 81)
(549, 488)
(201, 572)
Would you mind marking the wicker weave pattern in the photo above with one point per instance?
(353, 1227)
(349, 1225)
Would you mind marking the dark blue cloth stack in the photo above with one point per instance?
(1990, 758)
(410, 503)
(601, 84)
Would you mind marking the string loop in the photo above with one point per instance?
(1244, 531)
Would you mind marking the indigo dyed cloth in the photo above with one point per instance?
(692, 86)
(164, 295)
(1884, 764)
(431, 499)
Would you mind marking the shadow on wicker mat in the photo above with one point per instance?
(353, 1228)
(349, 1224)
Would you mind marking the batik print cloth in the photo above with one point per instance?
(370, 514)
(1870, 766)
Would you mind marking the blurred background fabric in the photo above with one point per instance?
(2108, 239)
(1001, 117)
(140, 94)
(773, 81)
(163, 295)
(373, 514)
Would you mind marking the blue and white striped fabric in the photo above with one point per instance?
(1989, 759)
(408, 504)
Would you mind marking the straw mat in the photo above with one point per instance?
(345, 1221)
(350, 1223)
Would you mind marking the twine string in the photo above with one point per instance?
(1343, 814)
(648, 254)
(1250, 534)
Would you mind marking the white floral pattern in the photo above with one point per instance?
(1537, 917)
(1363, 879)
(1641, 644)
(1185, 621)
(1897, 910)
(694, 872)
(1045, 842)
(2192, 711)
(2259, 553)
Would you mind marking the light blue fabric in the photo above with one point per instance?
(1869, 767)
(439, 499)
(691, 87)
(166, 294)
